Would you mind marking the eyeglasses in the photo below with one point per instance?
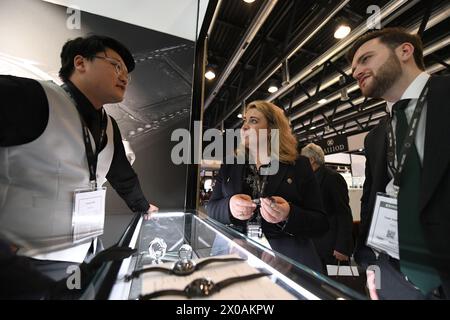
(117, 65)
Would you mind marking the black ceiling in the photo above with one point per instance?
(289, 23)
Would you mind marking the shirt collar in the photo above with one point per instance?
(414, 89)
(87, 109)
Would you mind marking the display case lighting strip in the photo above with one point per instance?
(121, 288)
(255, 262)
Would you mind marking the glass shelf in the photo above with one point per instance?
(207, 238)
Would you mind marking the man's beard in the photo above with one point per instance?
(385, 78)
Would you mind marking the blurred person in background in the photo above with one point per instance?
(337, 243)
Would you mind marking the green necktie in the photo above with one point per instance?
(415, 258)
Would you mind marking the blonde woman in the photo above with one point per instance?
(290, 206)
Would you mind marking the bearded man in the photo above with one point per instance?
(405, 207)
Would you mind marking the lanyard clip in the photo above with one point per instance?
(93, 184)
(396, 189)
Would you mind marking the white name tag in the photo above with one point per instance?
(335, 270)
(383, 234)
(88, 215)
(262, 241)
(254, 232)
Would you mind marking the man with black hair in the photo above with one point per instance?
(55, 140)
(405, 207)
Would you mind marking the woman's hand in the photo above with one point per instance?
(275, 209)
(241, 206)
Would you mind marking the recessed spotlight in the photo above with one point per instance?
(210, 75)
(148, 126)
(140, 129)
(342, 31)
(239, 115)
(249, 1)
(272, 89)
(322, 101)
(313, 127)
(272, 85)
(360, 150)
(132, 133)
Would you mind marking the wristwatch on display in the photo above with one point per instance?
(182, 267)
(203, 287)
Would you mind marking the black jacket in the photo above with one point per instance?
(297, 185)
(336, 201)
(435, 183)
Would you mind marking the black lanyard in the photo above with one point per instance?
(409, 139)
(260, 181)
(92, 158)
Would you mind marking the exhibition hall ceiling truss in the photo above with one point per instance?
(290, 46)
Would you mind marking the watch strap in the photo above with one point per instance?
(212, 287)
(205, 262)
(227, 282)
(162, 293)
(137, 273)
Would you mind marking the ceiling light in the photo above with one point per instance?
(272, 89)
(313, 127)
(249, 1)
(210, 75)
(342, 31)
(273, 86)
(323, 101)
(239, 115)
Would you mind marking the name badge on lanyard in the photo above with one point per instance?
(88, 214)
(260, 238)
(383, 233)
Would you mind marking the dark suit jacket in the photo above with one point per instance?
(435, 182)
(297, 185)
(336, 201)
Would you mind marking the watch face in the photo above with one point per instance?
(185, 252)
(200, 288)
(183, 267)
(157, 248)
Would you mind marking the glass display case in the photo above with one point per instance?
(168, 237)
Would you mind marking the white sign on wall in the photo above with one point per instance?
(173, 17)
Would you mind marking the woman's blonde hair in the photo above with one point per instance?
(276, 119)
